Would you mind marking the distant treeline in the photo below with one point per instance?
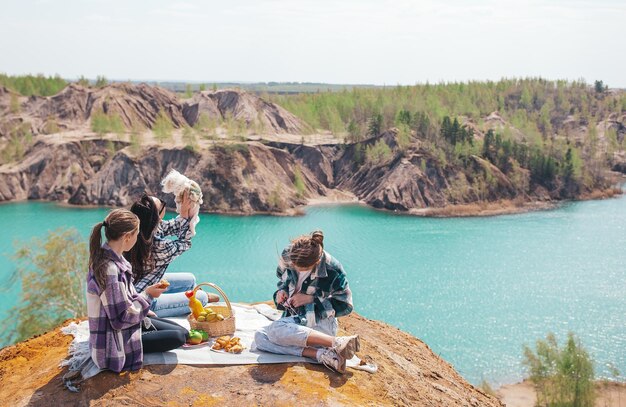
(29, 85)
(545, 132)
(535, 106)
(41, 85)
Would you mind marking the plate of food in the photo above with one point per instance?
(228, 344)
(197, 339)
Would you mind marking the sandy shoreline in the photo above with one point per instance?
(337, 197)
(609, 394)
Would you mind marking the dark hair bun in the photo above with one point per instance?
(318, 237)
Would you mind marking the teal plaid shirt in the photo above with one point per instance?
(327, 284)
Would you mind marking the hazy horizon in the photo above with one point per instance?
(352, 42)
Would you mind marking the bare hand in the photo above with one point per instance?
(281, 297)
(213, 297)
(185, 205)
(155, 290)
(300, 299)
(151, 314)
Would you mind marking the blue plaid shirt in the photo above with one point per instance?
(165, 250)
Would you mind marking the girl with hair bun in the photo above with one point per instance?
(115, 310)
(312, 291)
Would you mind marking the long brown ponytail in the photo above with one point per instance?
(307, 250)
(117, 223)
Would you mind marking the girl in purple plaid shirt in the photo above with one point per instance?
(119, 332)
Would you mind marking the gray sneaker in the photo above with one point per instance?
(347, 346)
(333, 360)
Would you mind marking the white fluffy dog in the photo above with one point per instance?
(176, 183)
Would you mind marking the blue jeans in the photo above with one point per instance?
(173, 302)
(286, 337)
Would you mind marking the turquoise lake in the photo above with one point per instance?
(474, 289)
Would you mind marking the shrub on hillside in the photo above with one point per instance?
(563, 376)
(52, 275)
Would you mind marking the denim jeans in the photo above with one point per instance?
(286, 337)
(173, 302)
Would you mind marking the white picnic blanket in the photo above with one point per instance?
(248, 319)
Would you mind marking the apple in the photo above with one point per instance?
(195, 337)
(205, 335)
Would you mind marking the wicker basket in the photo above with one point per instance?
(216, 328)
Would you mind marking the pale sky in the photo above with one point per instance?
(332, 41)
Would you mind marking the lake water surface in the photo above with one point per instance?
(474, 289)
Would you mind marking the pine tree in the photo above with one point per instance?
(375, 125)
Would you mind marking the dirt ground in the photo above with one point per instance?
(523, 394)
(409, 374)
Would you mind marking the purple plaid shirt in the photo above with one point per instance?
(115, 315)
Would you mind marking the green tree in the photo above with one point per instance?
(378, 153)
(52, 276)
(354, 131)
(190, 139)
(14, 104)
(20, 139)
(526, 98)
(403, 138)
(100, 123)
(404, 118)
(563, 376)
(359, 154)
(188, 91)
(489, 146)
(375, 125)
(82, 81)
(298, 182)
(116, 124)
(101, 81)
(163, 127)
(599, 86)
(202, 87)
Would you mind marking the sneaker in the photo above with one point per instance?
(347, 346)
(333, 360)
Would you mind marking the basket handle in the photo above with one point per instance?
(219, 290)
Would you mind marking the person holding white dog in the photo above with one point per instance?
(155, 250)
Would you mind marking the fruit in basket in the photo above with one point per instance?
(220, 317)
(195, 337)
(211, 317)
(201, 318)
(208, 310)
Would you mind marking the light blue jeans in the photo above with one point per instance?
(286, 337)
(173, 302)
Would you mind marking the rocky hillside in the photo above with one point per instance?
(235, 178)
(278, 170)
(245, 107)
(139, 106)
(409, 374)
